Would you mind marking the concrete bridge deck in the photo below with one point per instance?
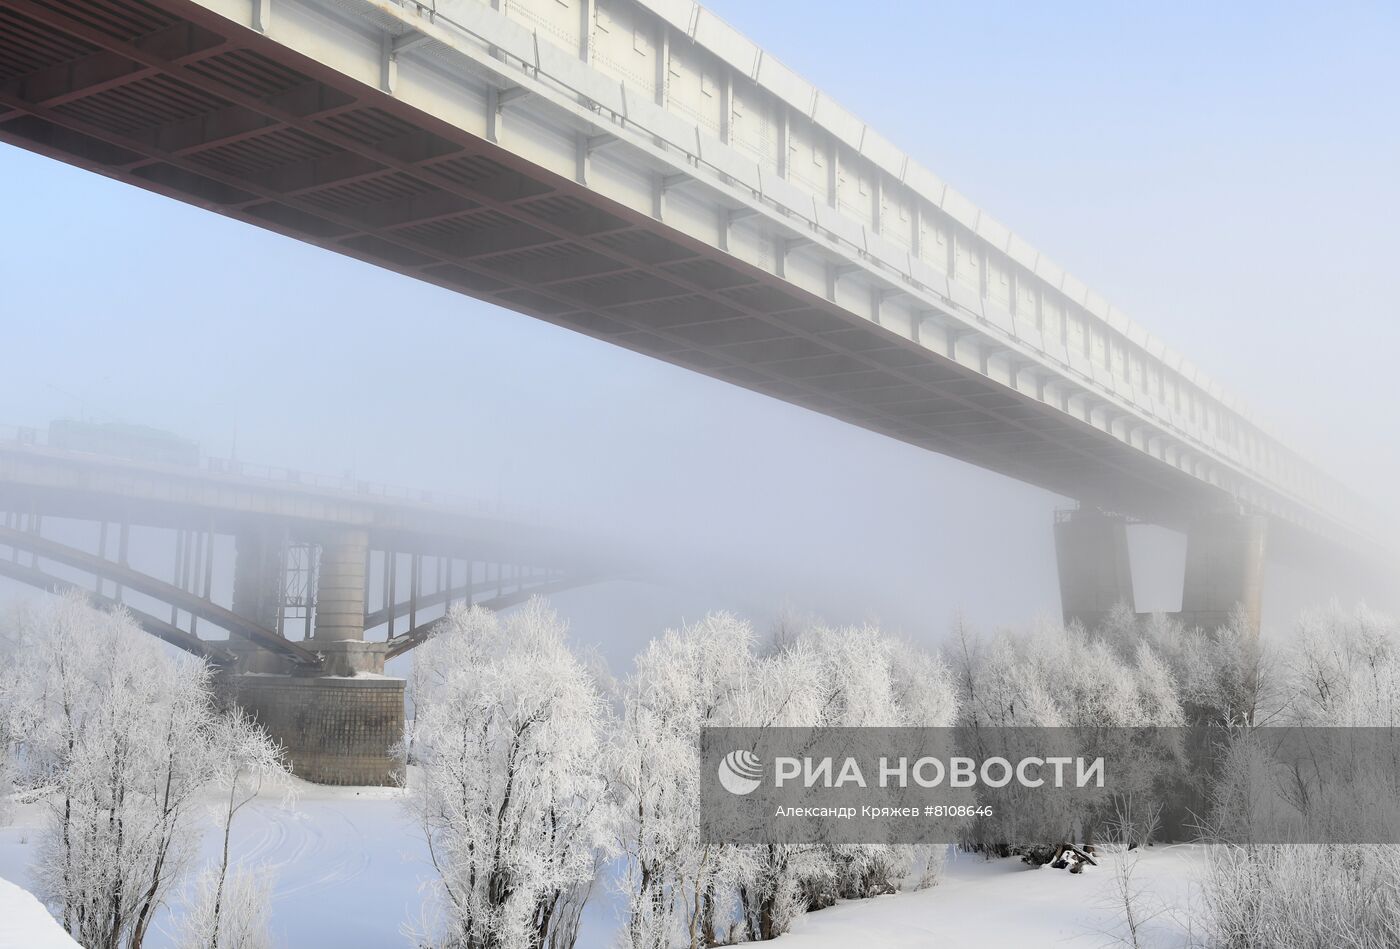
(638, 171)
(641, 172)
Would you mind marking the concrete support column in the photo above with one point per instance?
(257, 588)
(1224, 570)
(340, 606)
(255, 576)
(337, 724)
(1091, 554)
(340, 587)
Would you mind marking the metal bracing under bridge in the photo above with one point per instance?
(640, 172)
(229, 567)
(31, 575)
(194, 605)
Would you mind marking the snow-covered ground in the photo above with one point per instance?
(1001, 904)
(349, 868)
(347, 864)
(25, 924)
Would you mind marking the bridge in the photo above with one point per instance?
(639, 171)
(296, 587)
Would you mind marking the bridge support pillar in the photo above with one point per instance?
(1091, 554)
(257, 581)
(340, 587)
(343, 724)
(333, 729)
(1224, 570)
(340, 606)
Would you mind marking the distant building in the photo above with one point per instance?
(117, 440)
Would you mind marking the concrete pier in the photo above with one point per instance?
(1225, 555)
(340, 586)
(1091, 553)
(257, 581)
(343, 725)
(334, 730)
(1224, 570)
(340, 607)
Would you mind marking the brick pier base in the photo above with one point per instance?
(335, 730)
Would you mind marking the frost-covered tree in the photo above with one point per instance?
(679, 890)
(508, 735)
(1345, 670)
(1342, 673)
(7, 770)
(714, 673)
(862, 677)
(230, 902)
(688, 679)
(228, 909)
(779, 878)
(1224, 677)
(1302, 897)
(1104, 693)
(122, 738)
(1228, 675)
(1341, 679)
(120, 733)
(10, 715)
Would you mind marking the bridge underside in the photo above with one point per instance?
(171, 98)
(174, 99)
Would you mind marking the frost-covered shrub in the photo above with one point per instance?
(1303, 897)
(1344, 672)
(508, 733)
(8, 750)
(704, 674)
(229, 910)
(1346, 669)
(712, 673)
(1101, 694)
(1221, 677)
(864, 678)
(851, 677)
(680, 890)
(229, 907)
(121, 737)
(10, 713)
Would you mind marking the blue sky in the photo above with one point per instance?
(1225, 173)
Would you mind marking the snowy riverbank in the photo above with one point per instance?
(25, 924)
(349, 867)
(347, 864)
(1001, 904)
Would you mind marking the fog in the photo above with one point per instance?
(1226, 179)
